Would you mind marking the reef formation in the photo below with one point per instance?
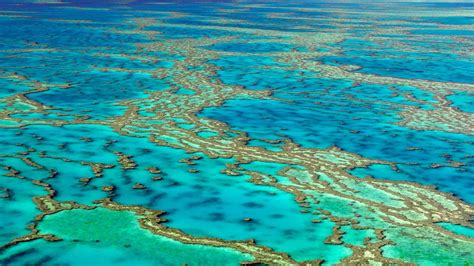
(228, 133)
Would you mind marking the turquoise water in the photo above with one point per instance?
(96, 241)
(458, 229)
(267, 132)
(463, 101)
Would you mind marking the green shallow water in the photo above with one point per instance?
(107, 237)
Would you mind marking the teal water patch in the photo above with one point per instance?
(37, 116)
(183, 91)
(421, 95)
(458, 229)
(11, 87)
(444, 32)
(379, 170)
(464, 101)
(253, 47)
(266, 145)
(119, 236)
(270, 169)
(177, 32)
(17, 209)
(253, 73)
(447, 70)
(207, 134)
(99, 104)
(67, 253)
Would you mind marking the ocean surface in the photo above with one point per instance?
(236, 132)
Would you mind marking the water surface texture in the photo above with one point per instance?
(236, 132)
